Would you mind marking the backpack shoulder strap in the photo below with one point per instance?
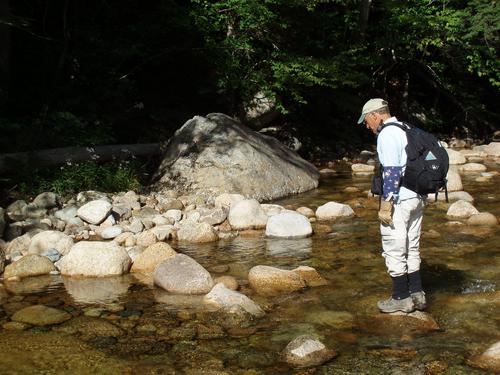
(404, 126)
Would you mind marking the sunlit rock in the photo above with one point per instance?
(472, 168)
(288, 224)
(307, 351)
(362, 169)
(453, 196)
(455, 157)
(215, 154)
(310, 276)
(196, 233)
(29, 265)
(182, 274)
(95, 212)
(461, 210)
(483, 218)
(223, 298)
(332, 210)
(50, 239)
(95, 259)
(493, 149)
(454, 181)
(247, 214)
(306, 211)
(268, 280)
(147, 261)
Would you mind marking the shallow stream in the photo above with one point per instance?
(160, 333)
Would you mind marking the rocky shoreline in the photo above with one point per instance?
(100, 235)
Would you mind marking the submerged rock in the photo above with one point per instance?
(268, 280)
(490, 359)
(310, 276)
(483, 218)
(224, 298)
(40, 315)
(307, 351)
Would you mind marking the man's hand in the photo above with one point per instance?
(385, 212)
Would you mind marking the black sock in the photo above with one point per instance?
(400, 287)
(415, 282)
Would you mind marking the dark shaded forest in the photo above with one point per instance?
(94, 72)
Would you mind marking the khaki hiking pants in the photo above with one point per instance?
(401, 241)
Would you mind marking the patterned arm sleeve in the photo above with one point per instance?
(391, 177)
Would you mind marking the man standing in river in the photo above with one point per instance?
(400, 212)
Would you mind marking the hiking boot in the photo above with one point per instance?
(392, 305)
(419, 300)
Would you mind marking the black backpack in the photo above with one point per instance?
(427, 163)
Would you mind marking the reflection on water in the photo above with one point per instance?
(288, 247)
(100, 290)
(167, 333)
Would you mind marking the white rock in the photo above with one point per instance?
(453, 196)
(288, 225)
(222, 297)
(359, 168)
(332, 210)
(95, 212)
(472, 168)
(111, 232)
(454, 182)
(247, 214)
(461, 210)
(174, 214)
(196, 233)
(493, 149)
(455, 156)
(228, 200)
(95, 259)
(50, 239)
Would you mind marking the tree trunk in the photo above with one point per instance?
(364, 15)
(4, 50)
(66, 155)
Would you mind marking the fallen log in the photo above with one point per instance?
(69, 155)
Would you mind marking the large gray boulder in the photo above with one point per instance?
(215, 154)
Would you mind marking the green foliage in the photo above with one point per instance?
(276, 46)
(73, 178)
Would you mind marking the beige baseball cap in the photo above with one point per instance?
(371, 106)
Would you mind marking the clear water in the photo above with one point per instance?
(162, 333)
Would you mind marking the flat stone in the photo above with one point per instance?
(40, 315)
(29, 265)
(149, 259)
(95, 212)
(268, 280)
(222, 297)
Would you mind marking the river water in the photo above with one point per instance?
(161, 333)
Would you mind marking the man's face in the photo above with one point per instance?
(372, 122)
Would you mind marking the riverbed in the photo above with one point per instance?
(160, 333)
